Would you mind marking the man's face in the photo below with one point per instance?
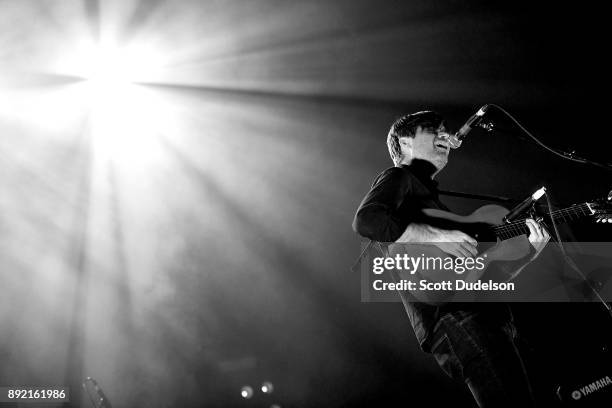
(431, 145)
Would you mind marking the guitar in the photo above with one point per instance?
(498, 241)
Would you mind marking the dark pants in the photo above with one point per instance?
(482, 353)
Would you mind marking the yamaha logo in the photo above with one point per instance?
(592, 387)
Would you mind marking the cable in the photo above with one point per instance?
(352, 268)
(564, 155)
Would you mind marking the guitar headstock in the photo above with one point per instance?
(602, 209)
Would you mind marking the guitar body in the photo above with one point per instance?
(490, 215)
(478, 225)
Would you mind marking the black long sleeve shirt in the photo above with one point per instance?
(396, 199)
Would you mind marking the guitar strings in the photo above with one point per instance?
(569, 212)
(518, 227)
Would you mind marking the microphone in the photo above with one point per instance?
(456, 139)
(516, 211)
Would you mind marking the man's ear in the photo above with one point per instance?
(406, 145)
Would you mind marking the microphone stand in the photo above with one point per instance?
(101, 400)
(568, 155)
(569, 261)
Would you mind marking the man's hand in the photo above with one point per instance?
(455, 243)
(451, 242)
(538, 236)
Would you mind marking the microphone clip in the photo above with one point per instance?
(473, 122)
(487, 125)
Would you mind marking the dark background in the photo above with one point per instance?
(228, 263)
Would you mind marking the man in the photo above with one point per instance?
(473, 343)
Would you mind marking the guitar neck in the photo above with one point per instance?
(518, 227)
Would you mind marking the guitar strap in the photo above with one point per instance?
(483, 197)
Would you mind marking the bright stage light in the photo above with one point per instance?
(114, 64)
(110, 71)
(125, 122)
(125, 116)
(108, 67)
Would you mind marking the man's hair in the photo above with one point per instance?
(406, 126)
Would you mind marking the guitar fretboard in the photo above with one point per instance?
(518, 227)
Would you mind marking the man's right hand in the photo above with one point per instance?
(455, 243)
(452, 242)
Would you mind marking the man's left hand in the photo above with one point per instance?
(538, 235)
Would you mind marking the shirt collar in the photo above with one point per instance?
(423, 170)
